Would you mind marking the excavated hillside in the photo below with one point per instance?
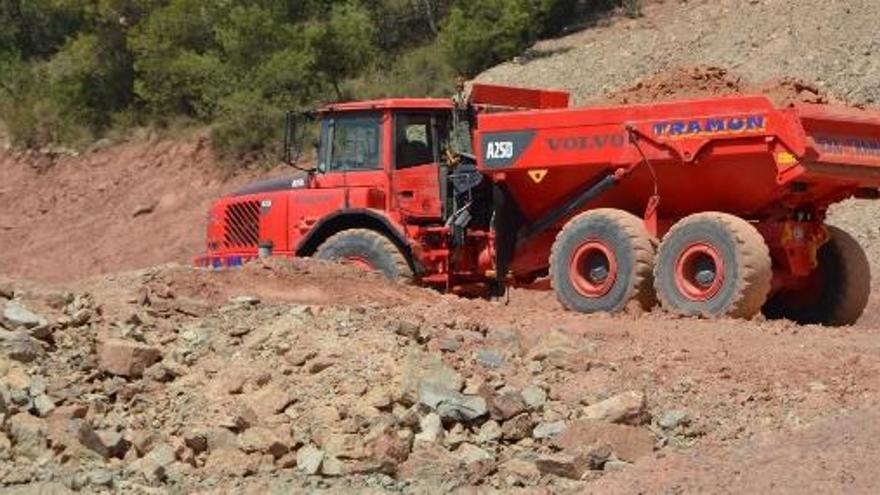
(124, 370)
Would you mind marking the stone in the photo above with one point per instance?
(320, 364)
(28, 434)
(107, 443)
(233, 462)
(153, 466)
(390, 449)
(43, 405)
(143, 441)
(100, 477)
(309, 459)
(126, 358)
(20, 346)
(534, 396)
(245, 300)
(448, 344)
(5, 447)
(575, 466)
(490, 432)
(332, 466)
(6, 292)
(196, 439)
(628, 443)
(263, 441)
(431, 429)
(671, 420)
(451, 405)
(558, 347)
(468, 453)
(6, 404)
(15, 315)
(270, 400)
(490, 358)
(420, 369)
(344, 446)
(506, 405)
(522, 470)
(517, 428)
(628, 407)
(407, 329)
(548, 429)
(81, 317)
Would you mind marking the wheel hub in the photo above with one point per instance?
(593, 269)
(699, 272)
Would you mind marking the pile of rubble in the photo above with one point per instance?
(157, 389)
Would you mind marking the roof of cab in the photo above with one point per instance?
(390, 104)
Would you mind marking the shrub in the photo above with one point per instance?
(248, 128)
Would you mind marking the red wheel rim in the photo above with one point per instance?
(358, 262)
(699, 272)
(593, 269)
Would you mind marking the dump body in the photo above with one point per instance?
(739, 155)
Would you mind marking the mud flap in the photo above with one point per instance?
(508, 221)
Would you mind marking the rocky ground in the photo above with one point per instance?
(301, 376)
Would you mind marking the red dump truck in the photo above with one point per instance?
(709, 207)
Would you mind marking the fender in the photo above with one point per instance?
(348, 218)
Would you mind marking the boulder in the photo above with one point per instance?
(451, 405)
(575, 466)
(309, 459)
(126, 358)
(28, 434)
(20, 346)
(628, 407)
(506, 405)
(534, 396)
(15, 315)
(517, 428)
(420, 368)
(548, 429)
(153, 466)
(490, 432)
(107, 443)
(628, 443)
(431, 429)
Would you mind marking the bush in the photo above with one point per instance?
(248, 128)
(480, 33)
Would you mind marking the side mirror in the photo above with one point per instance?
(291, 150)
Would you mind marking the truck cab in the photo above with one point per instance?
(379, 196)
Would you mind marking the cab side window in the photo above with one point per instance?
(351, 143)
(414, 139)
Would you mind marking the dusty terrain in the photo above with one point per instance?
(296, 376)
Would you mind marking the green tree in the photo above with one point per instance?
(345, 43)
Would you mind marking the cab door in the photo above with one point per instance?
(418, 141)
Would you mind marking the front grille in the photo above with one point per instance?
(241, 224)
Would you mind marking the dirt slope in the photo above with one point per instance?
(123, 207)
(833, 44)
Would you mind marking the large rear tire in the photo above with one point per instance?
(369, 250)
(839, 289)
(713, 264)
(601, 261)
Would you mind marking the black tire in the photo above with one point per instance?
(713, 264)
(369, 248)
(842, 291)
(600, 242)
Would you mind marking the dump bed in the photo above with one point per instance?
(742, 155)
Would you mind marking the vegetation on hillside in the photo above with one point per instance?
(71, 70)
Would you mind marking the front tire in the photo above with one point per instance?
(601, 260)
(713, 264)
(839, 288)
(369, 250)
